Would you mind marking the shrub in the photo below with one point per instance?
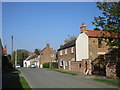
(46, 65)
(55, 65)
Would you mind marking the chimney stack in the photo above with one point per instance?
(61, 46)
(65, 41)
(82, 28)
(48, 45)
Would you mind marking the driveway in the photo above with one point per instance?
(42, 78)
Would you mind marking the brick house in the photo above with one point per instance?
(89, 53)
(66, 54)
(47, 55)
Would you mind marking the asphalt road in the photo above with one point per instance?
(42, 78)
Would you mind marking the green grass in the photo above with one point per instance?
(111, 82)
(24, 83)
(16, 72)
(70, 73)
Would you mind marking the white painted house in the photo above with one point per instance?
(82, 47)
(32, 59)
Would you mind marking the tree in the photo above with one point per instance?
(21, 55)
(72, 38)
(37, 51)
(110, 20)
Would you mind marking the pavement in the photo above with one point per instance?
(42, 78)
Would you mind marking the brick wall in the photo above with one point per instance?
(82, 66)
(93, 48)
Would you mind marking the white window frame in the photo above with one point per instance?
(72, 50)
(61, 64)
(66, 63)
(61, 52)
(66, 51)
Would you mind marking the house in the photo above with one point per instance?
(66, 54)
(32, 59)
(47, 55)
(89, 52)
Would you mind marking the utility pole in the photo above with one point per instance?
(12, 52)
(16, 58)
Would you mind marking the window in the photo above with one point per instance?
(65, 51)
(52, 55)
(72, 50)
(99, 43)
(73, 59)
(66, 63)
(61, 52)
(61, 62)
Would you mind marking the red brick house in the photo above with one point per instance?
(89, 55)
(47, 55)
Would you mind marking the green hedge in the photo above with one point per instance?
(55, 65)
(46, 65)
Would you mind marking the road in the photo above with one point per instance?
(42, 78)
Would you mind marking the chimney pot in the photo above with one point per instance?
(82, 28)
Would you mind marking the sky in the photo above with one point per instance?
(33, 24)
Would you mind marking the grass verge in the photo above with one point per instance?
(64, 72)
(16, 72)
(111, 82)
(24, 83)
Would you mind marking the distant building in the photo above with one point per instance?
(47, 55)
(32, 59)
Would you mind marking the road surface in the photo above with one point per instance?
(42, 78)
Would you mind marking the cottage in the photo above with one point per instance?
(32, 59)
(86, 54)
(47, 55)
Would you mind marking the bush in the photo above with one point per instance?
(46, 65)
(55, 65)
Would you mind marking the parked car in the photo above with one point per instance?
(17, 66)
(32, 65)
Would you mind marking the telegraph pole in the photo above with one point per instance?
(12, 51)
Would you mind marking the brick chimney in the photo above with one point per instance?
(48, 45)
(61, 46)
(82, 28)
(65, 41)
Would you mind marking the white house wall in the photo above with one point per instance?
(82, 47)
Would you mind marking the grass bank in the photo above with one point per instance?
(110, 82)
(64, 72)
